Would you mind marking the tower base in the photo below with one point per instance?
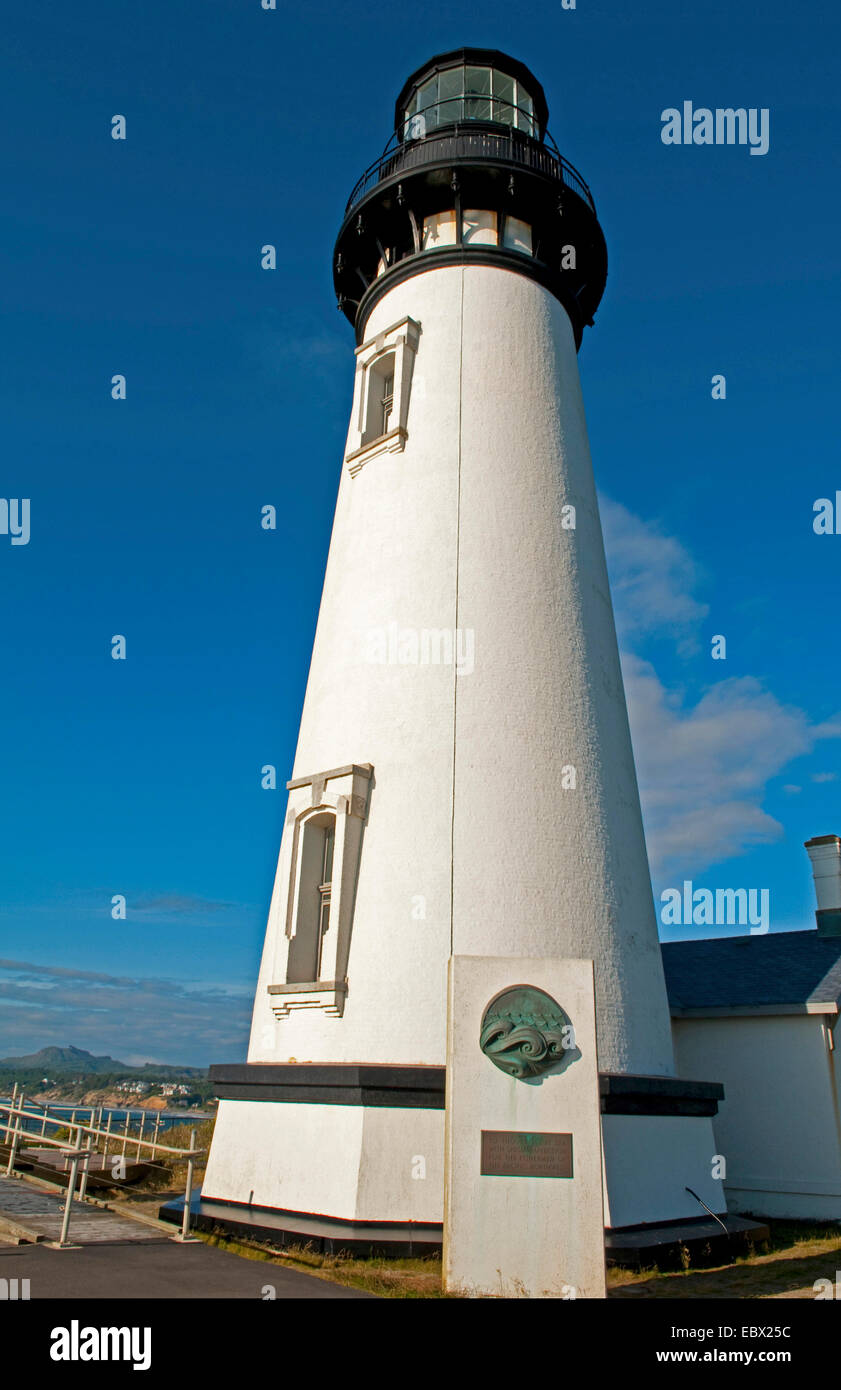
(363, 1147)
(637, 1246)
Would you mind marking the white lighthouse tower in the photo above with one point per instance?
(464, 781)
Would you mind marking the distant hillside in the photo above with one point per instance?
(74, 1061)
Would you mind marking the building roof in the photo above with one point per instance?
(775, 972)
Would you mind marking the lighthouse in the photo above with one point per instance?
(464, 781)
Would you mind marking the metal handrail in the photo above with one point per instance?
(80, 1156)
(520, 148)
(93, 1130)
(404, 132)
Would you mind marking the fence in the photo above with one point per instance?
(79, 1153)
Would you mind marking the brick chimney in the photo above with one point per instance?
(825, 854)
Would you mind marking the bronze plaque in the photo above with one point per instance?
(512, 1153)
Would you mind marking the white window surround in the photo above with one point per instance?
(343, 793)
(401, 341)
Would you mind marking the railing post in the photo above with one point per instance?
(13, 1147)
(140, 1132)
(44, 1121)
(86, 1163)
(71, 1187)
(12, 1103)
(107, 1133)
(188, 1191)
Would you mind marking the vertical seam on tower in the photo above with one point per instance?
(455, 625)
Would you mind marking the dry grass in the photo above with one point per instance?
(407, 1278)
(799, 1254)
(169, 1170)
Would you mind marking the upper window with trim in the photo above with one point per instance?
(380, 417)
(380, 405)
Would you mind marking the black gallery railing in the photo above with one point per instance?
(469, 141)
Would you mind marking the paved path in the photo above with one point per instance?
(156, 1269)
(31, 1209)
(115, 1256)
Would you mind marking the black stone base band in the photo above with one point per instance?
(422, 1087)
(628, 1245)
(326, 1234)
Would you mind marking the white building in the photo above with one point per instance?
(760, 1013)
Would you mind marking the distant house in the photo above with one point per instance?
(759, 1013)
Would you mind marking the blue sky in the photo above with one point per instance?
(141, 257)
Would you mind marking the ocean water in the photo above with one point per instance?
(85, 1113)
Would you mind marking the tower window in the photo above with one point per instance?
(479, 227)
(380, 398)
(517, 235)
(450, 93)
(380, 420)
(314, 896)
(387, 401)
(477, 85)
(326, 884)
(505, 105)
(439, 229)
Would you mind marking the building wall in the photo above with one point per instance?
(778, 1126)
(350, 1162)
(471, 844)
(650, 1161)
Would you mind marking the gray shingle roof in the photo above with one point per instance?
(792, 967)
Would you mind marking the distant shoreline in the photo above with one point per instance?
(61, 1103)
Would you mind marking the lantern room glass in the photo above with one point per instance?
(471, 93)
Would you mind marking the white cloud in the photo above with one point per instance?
(118, 1015)
(703, 764)
(652, 576)
(703, 768)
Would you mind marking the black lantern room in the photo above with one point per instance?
(471, 175)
